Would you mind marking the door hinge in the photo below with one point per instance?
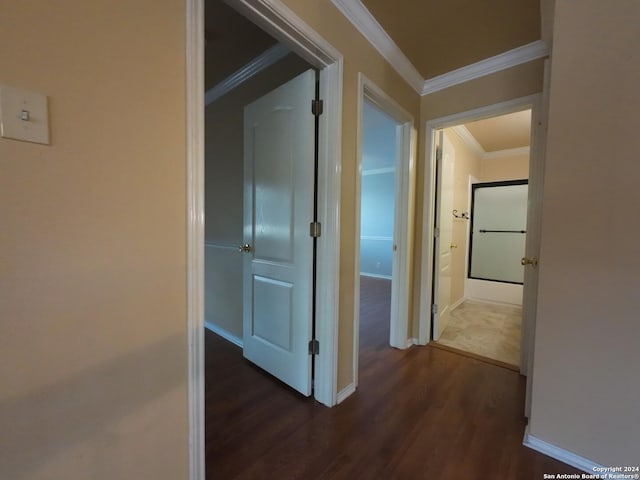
(434, 309)
(317, 107)
(314, 347)
(315, 229)
(436, 232)
(438, 153)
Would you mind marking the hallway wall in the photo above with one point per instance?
(585, 377)
(93, 330)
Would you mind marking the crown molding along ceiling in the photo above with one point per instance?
(251, 69)
(368, 26)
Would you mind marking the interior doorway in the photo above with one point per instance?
(380, 150)
(532, 245)
(250, 70)
(384, 223)
(482, 170)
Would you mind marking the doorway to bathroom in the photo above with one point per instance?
(482, 171)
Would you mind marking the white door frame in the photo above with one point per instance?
(277, 19)
(403, 215)
(536, 177)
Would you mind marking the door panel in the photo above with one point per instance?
(273, 323)
(443, 241)
(278, 207)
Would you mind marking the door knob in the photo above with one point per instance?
(453, 245)
(244, 248)
(529, 261)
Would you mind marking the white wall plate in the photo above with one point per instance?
(23, 115)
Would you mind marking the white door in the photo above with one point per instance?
(444, 226)
(279, 132)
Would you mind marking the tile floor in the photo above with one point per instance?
(488, 330)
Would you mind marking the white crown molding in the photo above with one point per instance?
(467, 137)
(561, 454)
(368, 26)
(251, 69)
(509, 152)
(517, 56)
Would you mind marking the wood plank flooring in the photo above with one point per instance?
(421, 413)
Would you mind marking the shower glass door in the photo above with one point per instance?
(498, 231)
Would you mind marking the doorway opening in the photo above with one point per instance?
(482, 170)
(377, 214)
(428, 329)
(262, 67)
(384, 224)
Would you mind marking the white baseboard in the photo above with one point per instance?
(345, 393)
(496, 292)
(560, 454)
(375, 275)
(455, 305)
(224, 334)
(411, 342)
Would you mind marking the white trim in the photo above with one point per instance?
(508, 152)
(411, 342)
(502, 61)
(376, 275)
(426, 280)
(282, 23)
(560, 454)
(470, 141)
(195, 233)
(378, 238)
(369, 27)
(378, 171)
(251, 69)
(493, 292)
(539, 122)
(224, 334)
(328, 269)
(456, 304)
(346, 392)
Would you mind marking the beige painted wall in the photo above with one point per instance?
(467, 163)
(585, 381)
(516, 82)
(224, 179)
(93, 340)
(512, 167)
(360, 56)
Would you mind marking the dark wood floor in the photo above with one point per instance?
(421, 413)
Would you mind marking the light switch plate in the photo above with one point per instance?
(23, 115)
